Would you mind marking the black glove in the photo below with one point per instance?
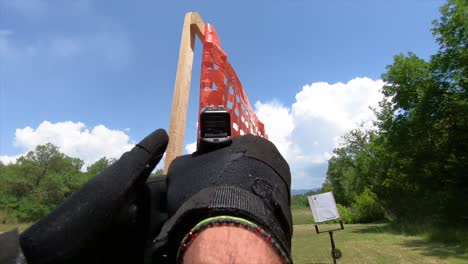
(108, 219)
(247, 179)
(158, 204)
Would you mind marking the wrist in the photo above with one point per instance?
(227, 239)
(228, 236)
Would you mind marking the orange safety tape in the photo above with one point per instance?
(219, 85)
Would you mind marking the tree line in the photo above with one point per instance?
(41, 180)
(412, 167)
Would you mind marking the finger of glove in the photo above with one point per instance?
(147, 153)
(135, 166)
(92, 210)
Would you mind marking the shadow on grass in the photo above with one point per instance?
(424, 246)
(442, 251)
(377, 228)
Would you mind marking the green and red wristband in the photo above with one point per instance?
(226, 220)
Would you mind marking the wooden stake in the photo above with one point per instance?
(193, 25)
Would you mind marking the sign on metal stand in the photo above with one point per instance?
(324, 209)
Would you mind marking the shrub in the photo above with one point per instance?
(366, 208)
(30, 210)
(299, 201)
(346, 214)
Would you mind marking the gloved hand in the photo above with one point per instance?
(248, 179)
(108, 220)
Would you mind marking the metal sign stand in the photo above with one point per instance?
(335, 252)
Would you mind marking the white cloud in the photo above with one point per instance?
(343, 105)
(278, 132)
(9, 159)
(307, 132)
(73, 139)
(191, 148)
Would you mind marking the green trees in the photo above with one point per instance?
(351, 177)
(158, 172)
(41, 180)
(424, 126)
(415, 161)
(99, 166)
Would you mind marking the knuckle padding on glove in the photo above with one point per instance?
(264, 151)
(249, 179)
(241, 164)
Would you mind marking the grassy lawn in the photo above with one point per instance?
(367, 243)
(302, 216)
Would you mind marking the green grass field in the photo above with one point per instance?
(367, 243)
(360, 243)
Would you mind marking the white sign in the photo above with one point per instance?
(323, 207)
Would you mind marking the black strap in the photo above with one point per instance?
(209, 202)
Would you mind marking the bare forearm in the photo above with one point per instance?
(230, 244)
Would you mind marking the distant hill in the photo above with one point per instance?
(303, 191)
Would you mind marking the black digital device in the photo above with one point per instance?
(215, 128)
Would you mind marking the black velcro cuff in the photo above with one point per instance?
(214, 201)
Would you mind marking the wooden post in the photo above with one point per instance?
(193, 25)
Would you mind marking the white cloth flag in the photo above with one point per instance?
(323, 207)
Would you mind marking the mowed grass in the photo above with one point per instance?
(366, 243)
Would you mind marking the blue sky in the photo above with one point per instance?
(108, 68)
